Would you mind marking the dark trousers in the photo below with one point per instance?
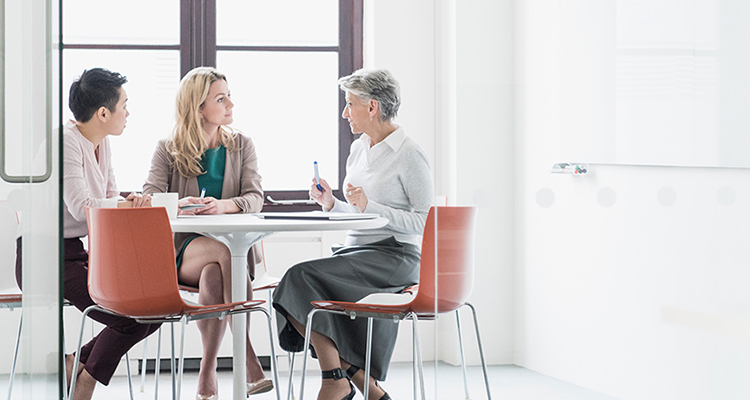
(103, 353)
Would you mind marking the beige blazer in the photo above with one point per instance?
(241, 184)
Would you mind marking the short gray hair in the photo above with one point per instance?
(378, 85)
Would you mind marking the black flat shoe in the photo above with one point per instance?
(336, 374)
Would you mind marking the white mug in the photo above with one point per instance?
(168, 200)
(109, 203)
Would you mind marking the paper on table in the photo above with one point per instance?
(319, 215)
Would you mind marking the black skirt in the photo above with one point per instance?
(352, 273)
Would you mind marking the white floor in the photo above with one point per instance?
(506, 382)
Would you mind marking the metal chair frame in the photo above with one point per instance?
(12, 301)
(455, 245)
(124, 257)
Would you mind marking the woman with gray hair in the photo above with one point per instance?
(386, 174)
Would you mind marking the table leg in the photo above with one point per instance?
(239, 326)
(238, 245)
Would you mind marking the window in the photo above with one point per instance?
(282, 60)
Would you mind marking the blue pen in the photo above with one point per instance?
(203, 193)
(317, 176)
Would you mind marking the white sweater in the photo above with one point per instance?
(395, 176)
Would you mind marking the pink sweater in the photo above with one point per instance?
(86, 182)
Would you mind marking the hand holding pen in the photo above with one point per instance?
(323, 195)
(191, 205)
(212, 206)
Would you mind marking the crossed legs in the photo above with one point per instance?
(207, 264)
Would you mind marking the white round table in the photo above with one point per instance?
(239, 232)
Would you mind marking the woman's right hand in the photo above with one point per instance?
(185, 201)
(324, 198)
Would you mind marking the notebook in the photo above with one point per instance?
(318, 215)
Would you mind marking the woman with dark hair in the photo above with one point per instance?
(99, 105)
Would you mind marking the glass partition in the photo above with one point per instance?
(30, 191)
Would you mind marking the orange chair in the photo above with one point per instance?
(262, 282)
(448, 250)
(132, 273)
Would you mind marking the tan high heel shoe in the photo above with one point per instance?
(260, 386)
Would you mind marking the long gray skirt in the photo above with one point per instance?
(350, 274)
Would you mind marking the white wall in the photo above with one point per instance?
(457, 104)
(631, 281)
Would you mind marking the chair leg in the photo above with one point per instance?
(290, 389)
(415, 326)
(157, 365)
(172, 367)
(308, 331)
(414, 368)
(368, 349)
(74, 375)
(463, 357)
(130, 379)
(274, 365)
(183, 322)
(143, 364)
(15, 357)
(481, 351)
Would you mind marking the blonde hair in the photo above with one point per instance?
(188, 141)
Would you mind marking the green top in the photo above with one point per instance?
(213, 162)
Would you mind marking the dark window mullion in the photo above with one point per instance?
(186, 47)
(209, 33)
(197, 34)
(350, 60)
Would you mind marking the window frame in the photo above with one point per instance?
(198, 47)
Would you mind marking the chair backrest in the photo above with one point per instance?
(448, 248)
(131, 261)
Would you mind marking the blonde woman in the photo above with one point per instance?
(207, 162)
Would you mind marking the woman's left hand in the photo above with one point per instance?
(355, 195)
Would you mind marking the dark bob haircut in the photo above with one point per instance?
(95, 88)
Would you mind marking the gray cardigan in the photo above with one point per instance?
(241, 183)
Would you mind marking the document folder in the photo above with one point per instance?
(318, 215)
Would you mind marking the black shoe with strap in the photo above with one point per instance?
(353, 369)
(336, 374)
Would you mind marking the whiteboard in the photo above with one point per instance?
(645, 82)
